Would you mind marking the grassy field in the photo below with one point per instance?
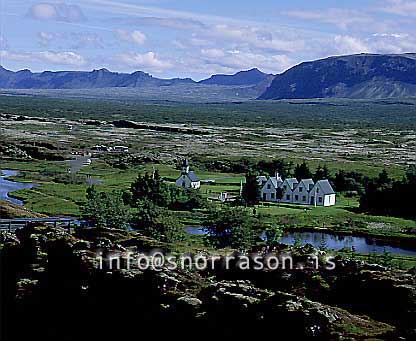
(53, 198)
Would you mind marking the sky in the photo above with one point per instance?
(197, 38)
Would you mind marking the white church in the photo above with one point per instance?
(188, 179)
(304, 192)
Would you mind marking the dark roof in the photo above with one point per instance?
(192, 176)
(326, 187)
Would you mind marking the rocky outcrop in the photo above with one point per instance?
(53, 287)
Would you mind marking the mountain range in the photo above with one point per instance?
(366, 76)
(104, 78)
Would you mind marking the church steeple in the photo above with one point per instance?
(185, 167)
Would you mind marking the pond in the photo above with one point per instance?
(7, 186)
(332, 241)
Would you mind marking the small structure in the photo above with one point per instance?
(224, 197)
(188, 178)
(120, 149)
(101, 148)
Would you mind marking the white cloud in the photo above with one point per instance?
(345, 44)
(236, 60)
(393, 43)
(4, 44)
(57, 12)
(62, 58)
(175, 23)
(254, 38)
(213, 53)
(45, 38)
(147, 61)
(340, 17)
(400, 7)
(56, 58)
(74, 40)
(135, 37)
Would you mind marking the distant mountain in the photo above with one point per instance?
(249, 77)
(102, 78)
(356, 76)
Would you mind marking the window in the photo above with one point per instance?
(304, 198)
(183, 184)
(285, 187)
(264, 197)
(320, 199)
(269, 186)
(296, 197)
(272, 195)
(300, 189)
(317, 189)
(288, 197)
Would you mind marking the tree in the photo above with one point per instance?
(385, 197)
(411, 175)
(152, 188)
(187, 199)
(271, 166)
(251, 190)
(322, 173)
(302, 171)
(232, 227)
(158, 223)
(383, 179)
(106, 210)
(273, 235)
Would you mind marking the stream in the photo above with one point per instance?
(7, 186)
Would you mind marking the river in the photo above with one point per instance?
(333, 242)
(7, 186)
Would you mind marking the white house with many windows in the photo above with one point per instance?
(305, 192)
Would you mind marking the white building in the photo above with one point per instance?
(188, 178)
(288, 186)
(305, 192)
(271, 187)
(322, 194)
(300, 194)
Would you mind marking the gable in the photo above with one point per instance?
(325, 187)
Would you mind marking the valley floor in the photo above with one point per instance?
(40, 146)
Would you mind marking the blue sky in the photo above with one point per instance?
(196, 38)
